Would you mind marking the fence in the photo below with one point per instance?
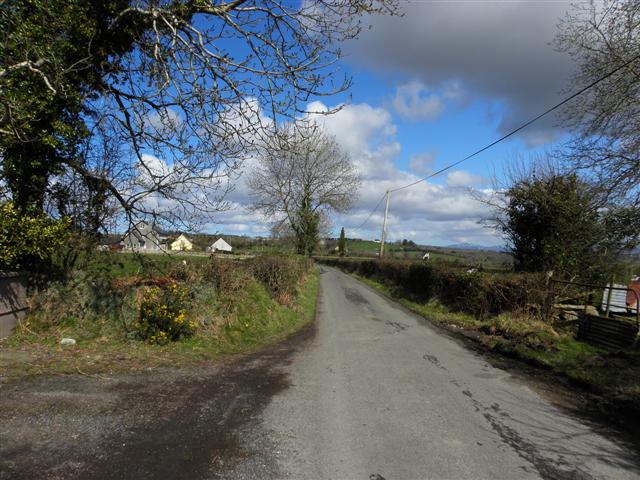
(601, 330)
(607, 332)
(13, 301)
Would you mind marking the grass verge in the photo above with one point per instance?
(246, 321)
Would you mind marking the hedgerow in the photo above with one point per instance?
(167, 306)
(480, 294)
(280, 274)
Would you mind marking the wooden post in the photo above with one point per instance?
(587, 294)
(548, 306)
(384, 227)
(609, 293)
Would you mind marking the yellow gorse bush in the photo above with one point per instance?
(163, 314)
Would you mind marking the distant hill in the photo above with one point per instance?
(469, 246)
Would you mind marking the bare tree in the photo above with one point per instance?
(178, 90)
(601, 36)
(302, 175)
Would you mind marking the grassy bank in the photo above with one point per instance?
(610, 380)
(234, 308)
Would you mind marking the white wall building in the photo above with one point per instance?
(220, 246)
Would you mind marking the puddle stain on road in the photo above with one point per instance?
(397, 326)
(434, 360)
(354, 296)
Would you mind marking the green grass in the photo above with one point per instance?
(433, 310)
(124, 264)
(451, 256)
(226, 326)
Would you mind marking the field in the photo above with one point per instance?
(124, 264)
(486, 259)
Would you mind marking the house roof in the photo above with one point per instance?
(220, 244)
(141, 230)
(183, 237)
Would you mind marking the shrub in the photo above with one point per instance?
(29, 241)
(184, 271)
(479, 294)
(86, 300)
(228, 276)
(280, 275)
(162, 315)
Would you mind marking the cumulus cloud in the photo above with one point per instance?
(462, 178)
(163, 122)
(428, 212)
(491, 50)
(237, 219)
(367, 133)
(422, 163)
(413, 101)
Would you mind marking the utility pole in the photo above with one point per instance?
(384, 226)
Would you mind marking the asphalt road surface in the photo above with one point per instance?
(381, 394)
(369, 392)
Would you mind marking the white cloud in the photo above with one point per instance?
(414, 102)
(164, 122)
(428, 213)
(462, 178)
(367, 133)
(422, 163)
(480, 50)
(152, 171)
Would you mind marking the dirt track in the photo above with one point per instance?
(174, 424)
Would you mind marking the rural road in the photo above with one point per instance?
(381, 394)
(369, 392)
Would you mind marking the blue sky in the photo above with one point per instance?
(429, 88)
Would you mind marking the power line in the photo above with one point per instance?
(504, 137)
(521, 127)
(372, 212)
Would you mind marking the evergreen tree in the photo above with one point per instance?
(342, 243)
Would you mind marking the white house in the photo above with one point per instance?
(220, 246)
(142, 238)
(181, 243)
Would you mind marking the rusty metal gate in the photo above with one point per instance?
(607, 332)
(602, 330)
